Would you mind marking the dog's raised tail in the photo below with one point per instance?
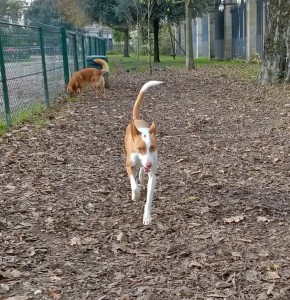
(103, 63)
(140, 98)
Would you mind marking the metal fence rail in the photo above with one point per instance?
(36, 64)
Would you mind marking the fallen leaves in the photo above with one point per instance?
(54, 294)
(273, 275)
(120, 237)
(18, 298)
(194, 264)
(75, 241)
(262, 219)
(235, 219)
(11, 274)
(220, 228)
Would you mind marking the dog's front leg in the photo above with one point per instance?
(149, 200)
(134, 185)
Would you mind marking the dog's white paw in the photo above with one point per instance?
(136, 193)
(146, 219)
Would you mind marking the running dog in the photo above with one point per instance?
(141, 152)
(81, 79)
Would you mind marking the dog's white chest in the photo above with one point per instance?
(135, 160)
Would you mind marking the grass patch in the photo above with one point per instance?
(3, 127)
(28, 114)
(242, 68)
(245, 71)
(37, 114)
(131, 63)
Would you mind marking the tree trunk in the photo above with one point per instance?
(149, 40)
(277, 43)
(287, 71)
(156, 40)
(188, 41)
(126, 43)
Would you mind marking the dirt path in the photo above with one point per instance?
(221, 211)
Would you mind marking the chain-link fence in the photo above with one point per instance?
(36, 64)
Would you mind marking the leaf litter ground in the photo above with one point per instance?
(220, 230)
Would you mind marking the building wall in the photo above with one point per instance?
(103, 32)
(235, 32)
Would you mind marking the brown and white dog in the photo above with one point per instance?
(81, 79)
(141, 152)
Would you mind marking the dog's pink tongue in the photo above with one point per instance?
(147, 170)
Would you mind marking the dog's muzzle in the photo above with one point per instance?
(148, 166)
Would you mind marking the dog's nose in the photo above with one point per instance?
(148, 164)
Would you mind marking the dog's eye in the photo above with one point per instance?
(141, 149)
(152, 148)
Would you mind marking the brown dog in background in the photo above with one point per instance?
(81, 79)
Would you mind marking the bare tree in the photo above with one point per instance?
(149, 12)
(188, 31)
(189, 45)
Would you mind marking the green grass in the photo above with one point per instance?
(3, 127)
(131, 63)
(241, 67)
(37, 114)
(32, 114)
(117, 60)
(27, 114)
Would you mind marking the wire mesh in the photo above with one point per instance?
(23, 68)
(54, 63)
(26, 69)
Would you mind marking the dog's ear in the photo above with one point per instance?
(134, 130)
(153, 128)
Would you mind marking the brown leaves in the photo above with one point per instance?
(54, 294)
(75, 241)
(11, 274)
(18, 298)
(262, 219)
(220, 229)
(235, 219)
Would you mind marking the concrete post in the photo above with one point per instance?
(180, 38)
(251, 47)
(199, 37)
(228, 43)
(177, 39)
(211, 32)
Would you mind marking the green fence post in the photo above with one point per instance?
(64, 55)
(101, 47)
(5, 87)
(104, 48)
(42, 52)
(98, 48)
(95, 46)
(75, 52)
(83, 51)
(90, 45)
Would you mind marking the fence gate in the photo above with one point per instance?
(219, 35)
(261, 24)
(239, 30)
(204, 36)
